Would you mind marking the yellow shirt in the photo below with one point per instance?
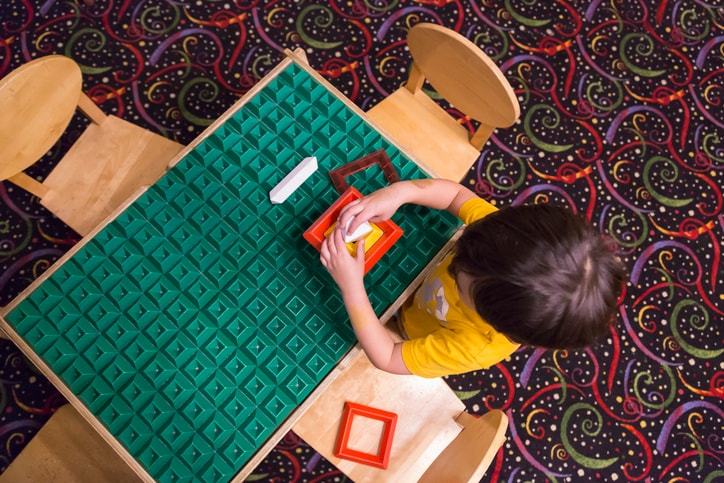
(445, 335)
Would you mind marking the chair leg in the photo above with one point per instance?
(416, 79)
(91, 110)
(481, 136)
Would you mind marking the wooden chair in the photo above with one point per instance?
(434, 439)
(109, 162)
(464, 76)
(68, 450)
(468, 457)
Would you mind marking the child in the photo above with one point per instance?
(535, 275)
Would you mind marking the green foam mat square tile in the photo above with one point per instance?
(193, 324)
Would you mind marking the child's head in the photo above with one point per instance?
(540, 275)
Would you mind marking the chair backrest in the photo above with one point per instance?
(463, 75)
(467, 458)
(37, 102)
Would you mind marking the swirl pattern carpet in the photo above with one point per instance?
(622, 121)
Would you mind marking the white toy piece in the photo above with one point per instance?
(359, 233)
(293, 180)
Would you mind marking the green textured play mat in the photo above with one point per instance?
(197, 321)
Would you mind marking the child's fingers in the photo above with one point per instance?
(358, 215)
(324, 252)
(361, 250)
(338, 236)
(351, 207)
(350, 212)
(337, 242)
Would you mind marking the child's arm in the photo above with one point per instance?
(348, 272)
(440, 194)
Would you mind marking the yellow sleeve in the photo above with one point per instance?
(475, 209)
(436, 355)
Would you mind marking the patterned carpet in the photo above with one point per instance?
(622, 120)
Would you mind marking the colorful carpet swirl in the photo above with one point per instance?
(622, 120)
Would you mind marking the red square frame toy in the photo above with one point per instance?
(341, 449)
(391, 232)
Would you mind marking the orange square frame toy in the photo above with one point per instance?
(391, 232)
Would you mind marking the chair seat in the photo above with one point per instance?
(104, 168)
(426, 410)
(68, 450)
(436, 141)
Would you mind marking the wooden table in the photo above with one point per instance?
(193, 328)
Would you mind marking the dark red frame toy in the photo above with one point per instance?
(391, 232)
(382, 458)
(378, 158)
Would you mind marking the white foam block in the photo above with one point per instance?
(293, 180)
(360, 232)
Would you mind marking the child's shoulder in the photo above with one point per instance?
(474, 209)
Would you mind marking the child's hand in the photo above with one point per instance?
(378, 206)
(346, 270)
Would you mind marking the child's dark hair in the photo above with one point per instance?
(541, 275)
